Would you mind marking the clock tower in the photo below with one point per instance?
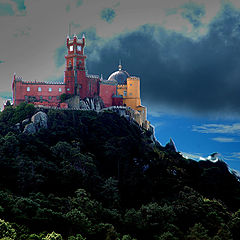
(75, 72)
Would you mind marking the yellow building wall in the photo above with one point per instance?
(133, 93)
(121, 89)
(131, 98)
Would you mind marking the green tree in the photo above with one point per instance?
(53, 236)
(110, 192)
(223, 233)
(78, 220)
(77, 237)
(167, 236)
(234, 225)
(127, 237)
(6, 230)
(197, 232)
(105, 231)
(23, 111)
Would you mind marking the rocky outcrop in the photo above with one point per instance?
(171, 146)
(73, 102)
(30, 129)
(26, 121)
(93, 103)
(38, 121)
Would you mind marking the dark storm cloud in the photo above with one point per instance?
(108, 15)
(201, 76)
(193, 12)
(58, 56)
(20, 4)
(6, 9)
(78, 3)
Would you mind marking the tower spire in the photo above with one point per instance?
(120, 65)
(69, 29)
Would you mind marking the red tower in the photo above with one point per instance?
(75, 73)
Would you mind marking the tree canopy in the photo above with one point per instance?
(99, 176)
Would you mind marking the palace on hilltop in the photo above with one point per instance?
(120, 89)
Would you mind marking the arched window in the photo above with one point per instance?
(60, 89)
(28, 89)
(39, 89)
(50, 89)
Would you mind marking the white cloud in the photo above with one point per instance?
(218, 128)
(224, 140)
(235, 156)
(194, 156)
(214, 157)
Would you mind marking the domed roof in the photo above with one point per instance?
(120, 76)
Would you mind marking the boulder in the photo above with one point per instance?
(40, 120)
(95, 103)
(30, 129)
(83, 105)
(18, 126)
(73, 102)
(25, 121)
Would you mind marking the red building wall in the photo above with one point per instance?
(69, 82)
(92, 86)
(117, 101)
(50, 93)
(106, 93)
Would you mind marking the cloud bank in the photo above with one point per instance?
(186, 53)
(200, 76)
(225, 140)
(218, 128)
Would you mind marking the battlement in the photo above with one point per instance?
(35, 82)
(92, 76)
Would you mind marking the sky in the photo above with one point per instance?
(186, 53)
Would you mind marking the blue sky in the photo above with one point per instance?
(185, 52)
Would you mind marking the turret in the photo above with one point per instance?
(75, 64)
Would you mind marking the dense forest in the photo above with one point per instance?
(99, 176)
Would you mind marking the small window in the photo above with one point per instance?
(125, 93)
(50, 97)
(50, 89)
(58, 97)
(68, 89)
(28, 89)
(80, 85)
(26, 98)
(41, 98)
(60, 89)
(130, 94)
(71, 48)
(39, 89)
(130, 84)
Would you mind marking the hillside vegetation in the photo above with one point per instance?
(97, 176)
